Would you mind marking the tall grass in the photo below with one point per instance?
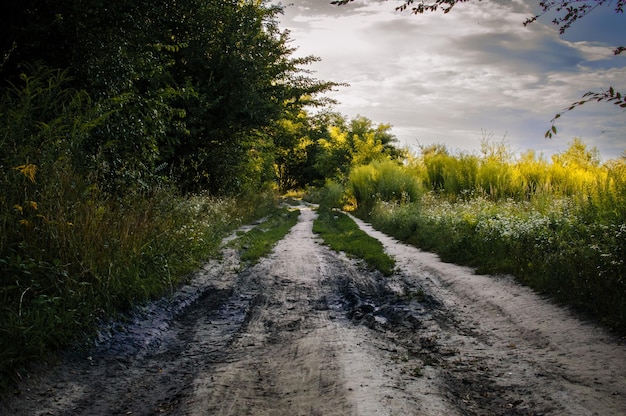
(559, 225)
(65, 276)
(382, 181)
(70, 253)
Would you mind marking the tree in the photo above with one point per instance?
(296, 140)
(240, 66)
(356, 143)
(570, 11)
(193, 88)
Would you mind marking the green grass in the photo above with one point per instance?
(260, 241)
(555, 250)
(341, 233)
(114, 254)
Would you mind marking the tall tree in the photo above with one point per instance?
(245, 81)
(192, 88)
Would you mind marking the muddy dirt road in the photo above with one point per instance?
(309, 332)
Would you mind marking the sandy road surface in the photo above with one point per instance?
(309, 332)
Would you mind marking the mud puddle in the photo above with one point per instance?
(310, 332)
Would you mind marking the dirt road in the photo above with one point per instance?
(309, 332)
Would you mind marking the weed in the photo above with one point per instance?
(260, 241)
(341, 233)
(417, 371)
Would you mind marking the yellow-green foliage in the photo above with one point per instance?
(382, 181)
(558, 226)
(496, 174)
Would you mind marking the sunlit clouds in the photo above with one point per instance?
(451, 78)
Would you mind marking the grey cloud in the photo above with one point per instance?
(519, 54)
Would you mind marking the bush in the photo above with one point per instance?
(382, 181)
(71, 253)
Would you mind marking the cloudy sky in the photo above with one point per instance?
(475, 72)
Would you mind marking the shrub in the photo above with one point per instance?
(382, 181)
(70, 253)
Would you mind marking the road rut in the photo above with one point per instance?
(308, 331)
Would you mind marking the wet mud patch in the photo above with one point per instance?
(433, 337)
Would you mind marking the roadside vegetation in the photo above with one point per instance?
(558, 225)
(133, 137)
(73, 266)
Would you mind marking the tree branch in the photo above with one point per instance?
(609, 96)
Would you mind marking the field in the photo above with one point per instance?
(559, 226)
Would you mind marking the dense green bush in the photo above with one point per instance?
(71, 252)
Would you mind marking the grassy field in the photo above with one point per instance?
(558, 225)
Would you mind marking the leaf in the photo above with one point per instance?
(554, 129)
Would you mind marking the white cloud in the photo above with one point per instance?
(448, 78)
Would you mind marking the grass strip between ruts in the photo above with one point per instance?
(341, 233)
(260, 241)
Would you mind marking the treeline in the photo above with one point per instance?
(558, 225)
(185, 91)
(133, 136)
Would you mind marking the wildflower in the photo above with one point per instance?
(29, 170)
(19, 208)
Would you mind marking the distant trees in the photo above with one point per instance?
(358, 142)
(328, 146)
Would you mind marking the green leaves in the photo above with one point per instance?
(195, 84)
(552, 130)
(609, 96)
